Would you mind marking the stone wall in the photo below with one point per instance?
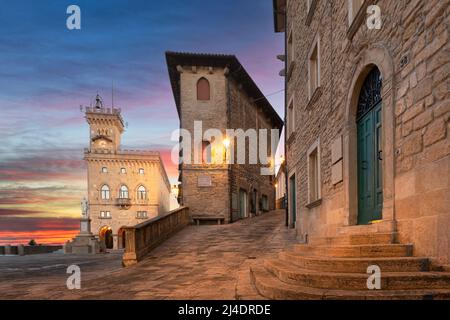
(26, 250)
(144, 237)
(411, 51)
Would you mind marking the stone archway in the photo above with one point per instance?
(375, 56)
(106, 236)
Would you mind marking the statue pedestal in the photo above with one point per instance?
(85, 242)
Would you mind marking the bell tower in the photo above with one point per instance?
(105, 126)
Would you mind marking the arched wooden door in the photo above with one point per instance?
(369, 125)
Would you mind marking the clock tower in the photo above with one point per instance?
(106, 127)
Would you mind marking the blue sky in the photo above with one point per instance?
(48, 71)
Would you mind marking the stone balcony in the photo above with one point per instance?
(123, 203)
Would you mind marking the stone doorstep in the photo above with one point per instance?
(384, 226)
(368, 250)
(356, 239)
(358, 265)
(356, 281)
(271, 287)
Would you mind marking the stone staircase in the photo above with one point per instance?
(336, 268)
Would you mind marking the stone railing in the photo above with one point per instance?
(142, 238)
(22, 250)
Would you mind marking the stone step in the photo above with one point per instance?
(356, 239)
(358, 265)
(289, 273)
(379, 227)
(355, 251)
(271, 287)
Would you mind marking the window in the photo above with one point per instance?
(291, 118)
(105, 192)
(314, 68)
(290, 50)
(203, 89)
(141, 193)
(206, 152)
(123, 192)
(353, 8)
(104, 170)
(142, 215)
(123, 170)
(141, 171)
(314, 173)
(105, 214)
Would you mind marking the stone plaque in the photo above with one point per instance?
(336, 150)
(336, 173)
(204, 181)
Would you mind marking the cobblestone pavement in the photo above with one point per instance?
(199, 262)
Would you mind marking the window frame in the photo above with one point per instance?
(105, 194)
(315, 197)
(123, 192)
(314, 48)
(123, 170)
(352, 14)
(142, 195)
(104, 170)
(141, 171)
(291, 116)
(198, 89)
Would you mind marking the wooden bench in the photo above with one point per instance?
(197, 219)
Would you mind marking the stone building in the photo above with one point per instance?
(125, 187)
(217, 90)
(280, 187)
(367, 113)
(367, 151)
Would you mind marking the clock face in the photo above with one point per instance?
(102, 143)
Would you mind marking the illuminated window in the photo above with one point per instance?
(123, 192)
(203, 89)
(123, 170)
(141, 171)
(105, 192)
(104, 170)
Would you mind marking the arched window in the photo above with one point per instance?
(104, 192)
(142, 193)
(123, 192)
(203, 90)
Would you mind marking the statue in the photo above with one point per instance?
(84, 208)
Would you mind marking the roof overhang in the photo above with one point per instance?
(279, 15)
(236, 71)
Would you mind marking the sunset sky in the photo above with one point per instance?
(48, 71)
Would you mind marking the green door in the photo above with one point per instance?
(370, 187)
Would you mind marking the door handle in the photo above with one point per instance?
(379, 155)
